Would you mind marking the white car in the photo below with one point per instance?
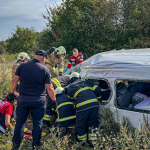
(127, 73)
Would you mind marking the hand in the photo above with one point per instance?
(12, 97)
(60, 73)
(66, 69)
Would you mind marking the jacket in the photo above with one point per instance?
(53, 60)
(84, 93)
(65, 110)
(75, 60)
(60, 81)
(14, 68)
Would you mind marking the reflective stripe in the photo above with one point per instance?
(66, 103)
(64, 119)
(60, 70)
(47, 117)
(82, 89)
(57, 83)
(103, 90)
(92, 136)
(99, 97)
(94, 87)
(70, 97)
(104, 100)
(87, 102)
(83, 137)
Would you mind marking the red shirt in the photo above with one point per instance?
(75, 60)
(6, 108)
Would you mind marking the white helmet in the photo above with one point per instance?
(59, 90)
(74, 74)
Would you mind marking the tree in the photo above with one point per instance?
(23, 40)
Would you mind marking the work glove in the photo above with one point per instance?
(66, 69)
(60, 73)
(12, 97)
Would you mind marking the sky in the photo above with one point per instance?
(24, 13)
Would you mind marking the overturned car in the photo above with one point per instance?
(126, 74)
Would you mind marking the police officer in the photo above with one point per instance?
(85, 95)
(60, 81)
(56, 57)
(33, 77)
(65, 112)
(22, 57)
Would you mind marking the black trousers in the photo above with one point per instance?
(86, 123)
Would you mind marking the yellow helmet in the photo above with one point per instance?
(61, 50)
(75, 74)
(23, 56)
(58, 90)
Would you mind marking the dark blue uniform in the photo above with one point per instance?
(85, 95)
(60, 81)
(33, 77)
(65, 112)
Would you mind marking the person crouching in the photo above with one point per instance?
(65, 112)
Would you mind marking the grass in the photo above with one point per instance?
(111, 135)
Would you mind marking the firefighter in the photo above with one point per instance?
(22, 57)
(6, 112)
(65, 112)
(60, 81)
(85, 94)
(75, 59)
(55, 56)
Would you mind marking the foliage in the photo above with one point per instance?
(46, 39)
(23, 40)
(95, 26)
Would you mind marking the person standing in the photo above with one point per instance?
(22, 57)
(33, 77)
(75, 59)
(55, 56)
(85, 94)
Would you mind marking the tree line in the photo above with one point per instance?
(92, 26)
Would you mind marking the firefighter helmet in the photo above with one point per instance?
(74, 75)
(23, 56)
(61, 50)
(59, 90)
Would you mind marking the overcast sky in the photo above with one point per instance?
(25, 13)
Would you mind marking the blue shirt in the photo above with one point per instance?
(33, 77)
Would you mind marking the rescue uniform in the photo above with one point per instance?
(75, 60)
(14, 68)
(52, 62)
(85, 95)
(65, 113)
(60, 81)
(105, 91)
(5, 108)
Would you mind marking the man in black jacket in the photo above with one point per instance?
(85, 94)
(60, 81)
(65, 112)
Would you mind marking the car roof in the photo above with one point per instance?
(118, 64)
